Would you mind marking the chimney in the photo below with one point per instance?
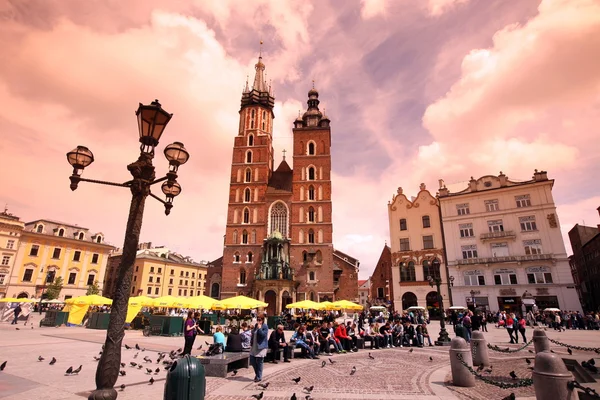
(473, 185)
(540, 175)
(503, 179)
(443, 190)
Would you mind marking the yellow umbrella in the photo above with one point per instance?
(242, 302)
(166, 301)
(199, 302)
(13, 300)
(91, 300)
(305, 304)
(142, 301)
(327, 305)
(348, 305)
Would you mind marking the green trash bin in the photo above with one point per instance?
(186, 380)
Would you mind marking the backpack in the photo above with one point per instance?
(214, 349)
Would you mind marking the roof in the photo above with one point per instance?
(345, 257)
(281, 180)
(362, 282)
(59, 223)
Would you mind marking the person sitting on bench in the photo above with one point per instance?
(277, 341)
(234, 341)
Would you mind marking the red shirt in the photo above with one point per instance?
(340, 332)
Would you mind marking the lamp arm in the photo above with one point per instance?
(157, 198)
(125, 184)
(164, 178)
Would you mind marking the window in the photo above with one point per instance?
(91, 279)
(179, 292)
(50, 276)
(180, 273)
(380, 293)
(77, 255)
(404, 244)
(311, 236)
(505, 278)
(170, 291)
(99, 239)
(152, 270)
(2, 277)
(156, 290)
(56, 253)
(279, 219)
(10, 244)
(403, 226)
(250, 257)
(251, 140)
(242, 277)
(495, 226)
(407, 272)
(311, 276)
(311, 214)
(137, 268)
(187, 274)
(160, 270)
(149, 291)
(499, 249)
(81, 235)
(27, 275)
(95, 258)
(528, 223)
(193, 274)
(248, 177)
(523, 201)
(135, 278)
(428, 242)
(150, 279)
(469, 251)
(248, 157)
(244, 237)
(172, 272)
(431, 268)
(492, 205)
(5, 260)
(170, 281)
(186, 282)
(236, 257)
(474, 280)
(247, 195)
(72, 278)
(311, 173)
(246, 216)
(539, 277)
(466, 230)
(463, 209)
(181, 282)
(34, 250)
(40, 229)
(192, 283)
(311, 149)
(61, 232)
(185, 292)
(532, 246)
(311, 192)
(426, 221)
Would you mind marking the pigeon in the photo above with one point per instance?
(297, 380)
(371, 357)
(551, 351)
(78, 370)
(157, 370)
(100, 353)
(122, 364)
(128, 347)
(140, 366)
(264, 385)
(179, 350)
(489, 370)
(151, 381)
(133, 364)
(589, 366)
(309, 389)
(136, 354)
(531, 351)
(591, 361)
(199, 348)
(293, 397)
(122, 373)
(323, 363)
(122, 387)
(353, 370)
(411, 350)
(137, 346)
(258, 396)
(206, 343)
(3, 365)
(308, 397)
(143, 349)
(513, 375)
(234, 372)
(53, 361)
(147, 359)
(569, 351)
(480, 368)
(148, 371)
(32, 327)
(509, 397)
(69, 371)
(331, 361)
(528, 361)
(18, 329)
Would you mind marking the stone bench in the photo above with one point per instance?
(219, 365)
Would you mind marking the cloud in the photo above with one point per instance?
(372, 8)
(439, 7)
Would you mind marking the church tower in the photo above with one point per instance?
(251, 169)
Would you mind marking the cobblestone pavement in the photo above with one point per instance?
(393, 374)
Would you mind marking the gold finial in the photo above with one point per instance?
(313, 82)
(260, 51)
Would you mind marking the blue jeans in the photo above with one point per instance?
(257, 363)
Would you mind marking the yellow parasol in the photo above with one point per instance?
(327, 305)
(199, 302)
(91, 300)
(141, 301)
(166, 301)
(13, 300)
(348, 305)
(241, 302)
(305, 304)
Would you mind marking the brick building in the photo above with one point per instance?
(279, 234)
(381, 291)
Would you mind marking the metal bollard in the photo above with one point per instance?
(459, 350)
(540, 341)
(550, 378)
(479, 349)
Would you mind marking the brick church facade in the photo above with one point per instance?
(278, 244)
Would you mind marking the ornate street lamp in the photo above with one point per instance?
(443, 339)
(152, 121)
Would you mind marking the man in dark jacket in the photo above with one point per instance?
(17, 312)
(276, 342)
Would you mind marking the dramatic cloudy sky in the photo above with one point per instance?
(417, 90)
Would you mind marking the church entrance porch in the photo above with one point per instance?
(271, 299)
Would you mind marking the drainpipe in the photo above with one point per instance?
(445, 254)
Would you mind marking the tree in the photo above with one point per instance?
(93, 289)
(53, 289)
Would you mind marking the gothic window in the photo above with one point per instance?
(311, 276)
(247, 195)
(311, 236)
(249, 156)
(242, 277)
(245, 237)
(311, 149)
(253, 238)
(251, 140)
(235, 235)
(236, 257)
(248, 175)
(279, 219)
(311, 214)
(304, 256)
(311, 192)
(311, 173)
(249, 258)
(246, 216)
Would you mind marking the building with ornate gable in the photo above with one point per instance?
(11, 228)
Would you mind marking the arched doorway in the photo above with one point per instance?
(22, 295)
(214, 290)
(285, 300)
(271, 299)
(433, 304)
(409, 299)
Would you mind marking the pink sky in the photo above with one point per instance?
(416, 91)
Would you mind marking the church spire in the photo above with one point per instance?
(261, 92)
(260, 84)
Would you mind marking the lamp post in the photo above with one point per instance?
(473, 300)
(152, 120)
(443, 339)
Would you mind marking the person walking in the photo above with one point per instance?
(17, 312)
(522, 326)
(259, 346)
(189, 333)
(509, 328)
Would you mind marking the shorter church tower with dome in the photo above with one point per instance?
(278, 244)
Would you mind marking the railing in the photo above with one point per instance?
(505, 259)
(497, 235)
